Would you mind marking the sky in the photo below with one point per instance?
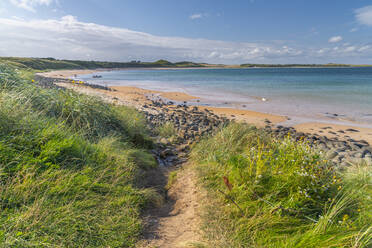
(211, 31)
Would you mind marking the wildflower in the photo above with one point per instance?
(33, 81)
(345, 218)
(358, 209)
(339, 188)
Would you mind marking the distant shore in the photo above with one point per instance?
(138, 97)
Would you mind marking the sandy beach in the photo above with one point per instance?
(64, 74)
(138, 97)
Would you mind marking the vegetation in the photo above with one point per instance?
(296, 65)
(70, 167)
(168, 130)
(55, 64)
(280, 193)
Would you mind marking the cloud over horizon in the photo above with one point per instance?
(72, 39)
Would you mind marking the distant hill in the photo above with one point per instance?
(301, 65)
(59, 64)
(51, 63)
(294, 65)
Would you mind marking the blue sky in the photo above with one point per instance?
(214, 31)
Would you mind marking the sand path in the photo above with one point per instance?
(176, 223)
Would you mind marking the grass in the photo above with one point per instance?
(279, 193)
(71, 168)
(172, 178)
(168, 130)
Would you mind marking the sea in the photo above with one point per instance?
(337, 95)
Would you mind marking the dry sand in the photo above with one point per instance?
(256, 118)
(68, 73)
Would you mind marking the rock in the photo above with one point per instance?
(332, 154)
(366, 153)
(166, 152)
(164, 141)
(352, 130)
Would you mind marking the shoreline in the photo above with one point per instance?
(138, 97)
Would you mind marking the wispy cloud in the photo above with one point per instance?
(364, 15)
(70, 38)
(335, 39)
(30, 4)
(196, 16)
(73, 39)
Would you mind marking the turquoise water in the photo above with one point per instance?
(339, 94)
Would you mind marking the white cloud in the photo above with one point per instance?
(335, 39)
(30, 4)
(364, 48)
(196, 16)
(350, 49)
(354, 30)
(73, 39)
(364, 15)
(351, 52)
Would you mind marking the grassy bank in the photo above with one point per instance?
(71, 168)
(264, 192)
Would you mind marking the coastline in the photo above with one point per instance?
(138, 97)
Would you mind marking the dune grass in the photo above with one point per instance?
(168, 130)
(70, 168)
(265, 192)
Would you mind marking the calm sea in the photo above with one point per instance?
(337, 94)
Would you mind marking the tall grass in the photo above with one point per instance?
(280, 193)
(70, 168)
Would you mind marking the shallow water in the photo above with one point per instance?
(337, 94)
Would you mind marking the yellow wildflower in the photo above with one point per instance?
(345, 217)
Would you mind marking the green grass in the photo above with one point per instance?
(172, 178)
(283, 193)
(71, 168)
(168, 130)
